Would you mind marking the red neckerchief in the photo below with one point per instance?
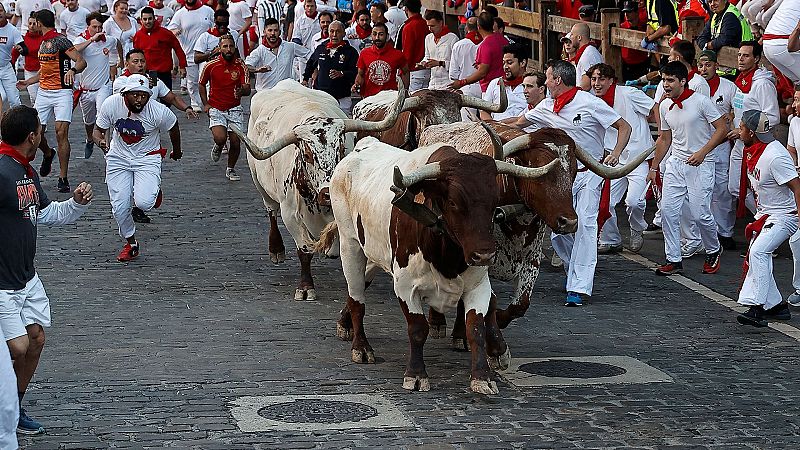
(752, 154)
(330, 44)
(474, 37)
(152, 5)
(578, 54)
(50, 34)
(513, 83)
(751, 231)
(604, 211)
(214, 31)
(127, 73)
(197, 5)
(314, 16)
(608, 97)
(681, 98)
(714, 84)
(270, 46)
(323, 34)
(691, 75)
(437, 36)
(86, 36)
(749, 161)
(363, 32)
(530, 107)
(563, 99)
(745, 80)
(6, 149)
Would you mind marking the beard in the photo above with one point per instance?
(227, 56)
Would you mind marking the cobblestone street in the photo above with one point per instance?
(186, 344)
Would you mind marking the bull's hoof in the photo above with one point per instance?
(363, 356)
(438, 331)
(500, 362)
(421, 384)
(305, 294)
(277, 258)
(460, 344)
(486, 387)
(345, 334)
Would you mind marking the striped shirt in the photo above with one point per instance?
(266, 9)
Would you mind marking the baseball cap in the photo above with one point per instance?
(567, 37)
(630, 6)
(587, 10)
(137, 83)
(710, 55)
(758, 122)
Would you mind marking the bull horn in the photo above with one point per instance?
(524, 172)
(468, 101)
(265, 152)
(430, 170)
(608, 172)
(497, 144)
(411, 104)
(516, 144)
(355, 125)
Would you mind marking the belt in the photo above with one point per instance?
(771, 37)
(161, 151)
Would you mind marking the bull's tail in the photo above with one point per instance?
(326, 238)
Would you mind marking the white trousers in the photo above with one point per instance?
(759, 286)
(794, 244)
(777, 52)
(419, 80)
(9, 401)
(33, 89)
(132, 182)
(474, 90)
(91, 101)
(346, 104)
(8, 85)
(579, 250)
(192, 78)
(635, 183)
(683, 183)
(662, 166)
(723, 207)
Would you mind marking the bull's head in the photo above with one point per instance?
(463, 193)
(434, 107)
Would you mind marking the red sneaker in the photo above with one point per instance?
(128, 253)
(159, 199)
(712, 262)
(670, 268)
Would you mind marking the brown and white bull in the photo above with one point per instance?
(433, 235)
(295, 138)
(547, 201)
(422, 109)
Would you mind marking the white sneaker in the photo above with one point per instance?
(225, 149)
(794, 299)
(637, 241)
(556, 261)
(215, 153)
(232, 175)
(688, 250)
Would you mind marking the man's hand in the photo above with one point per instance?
(429, 64)
(733, 134)
(192, 114)
(182, 72)
(175, 154)
(206, 108)
(355, 89)
(651, 175)
(69, 77)
(22, 84)
(696, 159)
(98, 36)
(103, 145)
(611, 160)
(83, 193)
(334, 74)
(264, 69)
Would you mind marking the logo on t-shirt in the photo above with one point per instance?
(3, 39)
(130, 130)
(379, 72)
(719, 100)
(576, 120)
(28, 198)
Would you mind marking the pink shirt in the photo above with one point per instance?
(490, 51)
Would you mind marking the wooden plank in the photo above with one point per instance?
(609, 20)
(728, 57)
(435, 5)
(522, 32)
(564, 25)
(519, 18)
(621, 37)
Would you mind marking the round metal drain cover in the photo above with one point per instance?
(317, 411)
(564, 368)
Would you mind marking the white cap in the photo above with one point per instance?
(567, 37)
(137, 83)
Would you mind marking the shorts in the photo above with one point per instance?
(91, 101)
(24, 307)
(50, 101)
(231, 117)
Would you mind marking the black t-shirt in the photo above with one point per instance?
(665, 11)
(21, 199)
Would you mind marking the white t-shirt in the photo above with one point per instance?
(192, 24)
(281, 63)
(723, 96)
(397, 17)
(135, 135)
(589, 57)
(439, 51)
(9, 37)
(794, 132)
(96, 54)
(355, 42)
(239, 11)
(634, 106)
(785, 18)
(160, 90)
(461, 65)
(125, 37)
(304, 29)
(763, 96)
(164, 14)
(208, 42)
(585, 119)
(74, 22)
(516, 99)
(91, 5)
(691, 125)
(773, 170)
(24, 9)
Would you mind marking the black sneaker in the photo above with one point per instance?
(753, 316)
(47, 163)
(727, 243)
(139, 216)
(63, 185)
(652, 229)
(778, 312)
(712, 262)
(670, 268)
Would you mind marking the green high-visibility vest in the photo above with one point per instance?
(652, 17)
(716, 23)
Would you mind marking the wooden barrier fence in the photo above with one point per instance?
(543, 27)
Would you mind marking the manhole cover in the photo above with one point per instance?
(564, 368)
(317, 411)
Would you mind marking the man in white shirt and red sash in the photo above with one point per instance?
(773, 178)
(585, 118)
(586, 55)
(691, 128)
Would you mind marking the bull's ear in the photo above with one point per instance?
(308, 154)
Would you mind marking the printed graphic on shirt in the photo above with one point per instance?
(379, 72)
(28, 197)
(54, 62)
(130, 130)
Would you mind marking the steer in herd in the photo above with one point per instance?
(295, 138)
(422, 109)
(547, 201)
(433, 235)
